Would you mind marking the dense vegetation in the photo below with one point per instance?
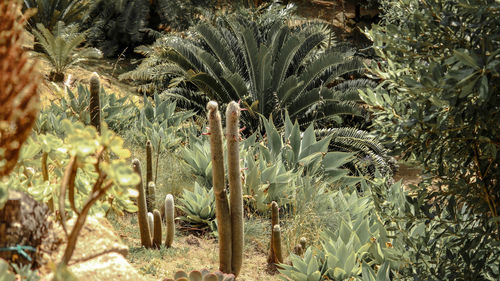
(324, 126)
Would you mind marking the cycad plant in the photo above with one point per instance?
(262, 61)
(50, 12)
(61, 48)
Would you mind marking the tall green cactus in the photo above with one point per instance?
(169, 219)
(221, 202)
(141, 204)
(275, 220)
(149, 176)
(94, 106)
(234, 174)
(157, 229)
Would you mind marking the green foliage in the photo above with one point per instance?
(443, 239)
(438, 101)
(61, 48)
(198, 207)
(25, 272)
(50, 12)
(358, 244)
(82, 142)
(261, 61)
(371, 154)
(117, 113)
(115, 25)
(159, 122)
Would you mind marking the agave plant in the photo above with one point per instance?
(198, 207)
(61, 48)
(266, 64)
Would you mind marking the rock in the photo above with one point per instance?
(96, 238)
(99, 254)
(110, 266)
(26, 222)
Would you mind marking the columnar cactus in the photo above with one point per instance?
(157, 229)
(169, 219)
(94, 106)
(275, 220)
(150, 193)
(141, 204)
(149, 176)
(234, 175)
(277, 243)
(151, 223)
(221, 202)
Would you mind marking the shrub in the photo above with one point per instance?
(438, 100)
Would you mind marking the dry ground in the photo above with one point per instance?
(187, 253)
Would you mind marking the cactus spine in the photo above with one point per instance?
(141, 204)
(277, 243)
(221, 202)
(234, 175)
(149, 176)
(169, 219)
(275, 220)
(94, 106)
(157, 229)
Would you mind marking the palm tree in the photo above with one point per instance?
(262, 61)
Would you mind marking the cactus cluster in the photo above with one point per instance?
(203, 275)
(229, 219)
(150, 224)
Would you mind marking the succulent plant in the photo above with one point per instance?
(151, 223)
(234, 175)
(202, 275)
(142, 212)
(157, 229)
(149, 176)
(169, 219)
(275, 220)
(198, 207)
(150, 195)
(94, 104)
(221, 202)
(277, 243)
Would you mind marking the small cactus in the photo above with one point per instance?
(219, 186)
(203, 275)
(303, 242)
(157, 229)
(150, 223)
(277, 244)
(94, 106)
(275, 220)
(169, 219)
(297, 250)
(141, 204)
(150, 195)
(149, 175)
(234, 175)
